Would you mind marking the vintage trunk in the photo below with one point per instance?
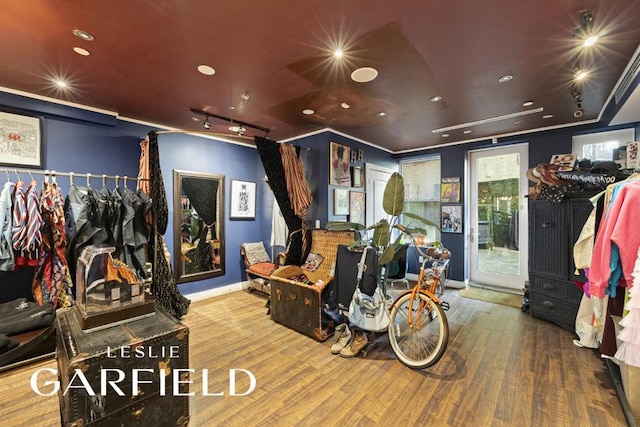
(159, 343)
(300, 306)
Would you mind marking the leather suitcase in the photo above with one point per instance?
(304, 307)
(158, 342)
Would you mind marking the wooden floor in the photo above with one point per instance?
(502, 368)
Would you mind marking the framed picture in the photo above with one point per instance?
(339, 161)
(20, 140)
(450, 190)
(340, 201)
(357, 177)
(357, 207)
(452, 218)
(243, 200)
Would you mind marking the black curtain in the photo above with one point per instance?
(269, 152)
(164, 286)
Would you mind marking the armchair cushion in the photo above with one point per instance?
(255, 253)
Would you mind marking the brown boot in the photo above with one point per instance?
(359, 341)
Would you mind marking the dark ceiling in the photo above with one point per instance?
(143, 63)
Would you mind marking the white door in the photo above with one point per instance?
(377, 177)
(498, 239)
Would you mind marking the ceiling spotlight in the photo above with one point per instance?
(505, 78)
(445, 135)
(240, 130)
(206, 124)
(527, 103)
(580, 75)
(585, 31)
(245, 96)
(382, 113)
(468, 131)
(547, 116)
(307, 111)
(436, 98)
(338, 53)
(578, 113)
(345, 105)
(83, 35)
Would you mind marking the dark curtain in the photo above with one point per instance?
(164, 286)
(269, 152)
(203, 195)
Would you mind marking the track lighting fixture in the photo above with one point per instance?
(240, 127)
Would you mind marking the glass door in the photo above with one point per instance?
(498, 237)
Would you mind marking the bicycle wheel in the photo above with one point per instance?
(418, 347)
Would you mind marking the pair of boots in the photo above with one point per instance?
(348, 343)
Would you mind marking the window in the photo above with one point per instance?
(601, 145)
(422, 191)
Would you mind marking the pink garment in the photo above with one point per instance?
(622, 226)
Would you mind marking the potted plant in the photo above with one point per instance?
(390, 251)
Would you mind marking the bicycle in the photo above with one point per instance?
(418, 328)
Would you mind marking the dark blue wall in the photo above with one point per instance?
(85, 141)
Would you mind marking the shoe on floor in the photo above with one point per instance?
(341, 338)
(358, 342)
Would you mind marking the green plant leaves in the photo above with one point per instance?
(421, 219)
(393, 197)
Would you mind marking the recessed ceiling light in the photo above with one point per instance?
(505, 78)
(84, 35)
(81, 51)
(436, 98)
(517, 121)
(382, 113)
(195, 119)
(547, 116)
(364, 74)
(338, 53)
(206, 70)
(468, 131)
(527, 103)
(445, 135)
(345, 105)
(61, 84)
(308, 111)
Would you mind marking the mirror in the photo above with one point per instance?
(198, 231)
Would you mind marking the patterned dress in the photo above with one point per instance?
(52, 281)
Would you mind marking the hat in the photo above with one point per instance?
(548, 174)
(534, 174)
(607, 167)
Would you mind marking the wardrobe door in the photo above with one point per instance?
(549, 252)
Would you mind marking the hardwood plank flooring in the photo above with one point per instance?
(502, 368)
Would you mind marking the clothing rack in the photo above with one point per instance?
(53, 174)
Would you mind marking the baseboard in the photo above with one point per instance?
(215, 292)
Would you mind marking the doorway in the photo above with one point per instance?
(377, 178)
(498, 239)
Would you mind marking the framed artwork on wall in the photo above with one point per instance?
(340, 201)
(243, 200)
(452, 218)
(21, 140)
(357, 177)
(339, 161)
(357, 207)
(450, 190)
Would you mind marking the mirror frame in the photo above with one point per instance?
(179, 274)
